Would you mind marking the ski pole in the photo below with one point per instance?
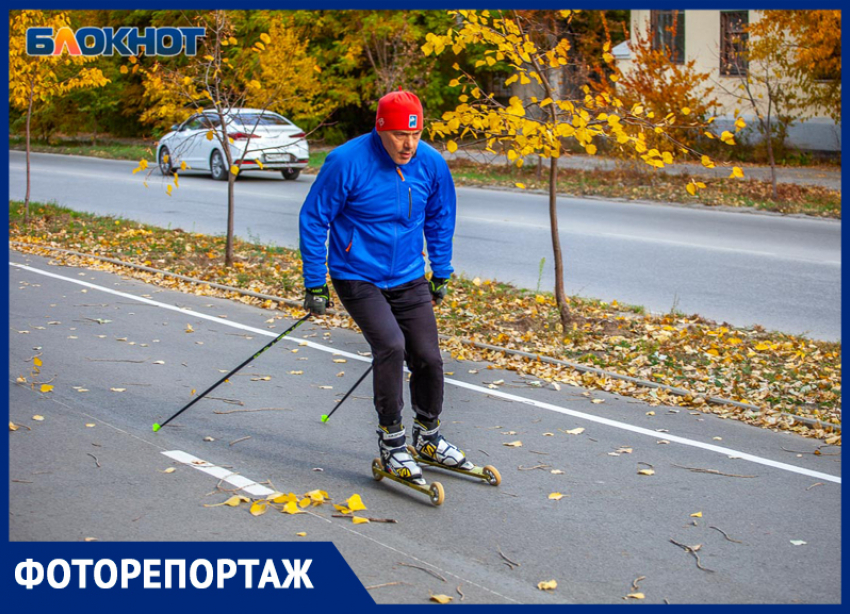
(327, 417)
(156, 427)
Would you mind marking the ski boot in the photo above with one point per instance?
(430, 448)
(397, 464)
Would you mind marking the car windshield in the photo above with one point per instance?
(248, 121)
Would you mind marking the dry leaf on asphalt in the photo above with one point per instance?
(259, 508)
(38, 418)
(635, 596)
(576, 431)
(549, 585)
(696, 515)
(556, 496)
(13, 426)
(355, 503)
(646, 472)
(513, 444)
(444, 599)
(359, 520)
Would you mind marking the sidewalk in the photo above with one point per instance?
(824, 176)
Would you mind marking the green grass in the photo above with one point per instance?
(110, 150)
(115, 150)
(637, 185)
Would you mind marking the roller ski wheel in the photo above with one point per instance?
(434, 491)
(487, 473)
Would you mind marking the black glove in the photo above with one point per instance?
(317, 300)
(439, 289)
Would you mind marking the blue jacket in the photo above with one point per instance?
(378, 213)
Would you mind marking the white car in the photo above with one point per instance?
(272, 143)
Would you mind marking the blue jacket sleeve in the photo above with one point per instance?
(325, 200)
(440, 213)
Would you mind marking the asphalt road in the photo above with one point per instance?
(783, 273)
(120, 362)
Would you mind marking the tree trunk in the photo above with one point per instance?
(560, 295)
(771, 159)
(29, 117)
(231, 178)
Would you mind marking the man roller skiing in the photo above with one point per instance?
(378, 195)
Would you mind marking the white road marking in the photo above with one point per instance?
(497, 393)
(241, 482)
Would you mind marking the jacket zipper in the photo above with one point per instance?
(410, 203)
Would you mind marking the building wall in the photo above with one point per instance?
(702, 44)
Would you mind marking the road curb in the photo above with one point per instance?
(578, 367)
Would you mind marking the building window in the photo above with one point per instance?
(668, 33)
(733, 42)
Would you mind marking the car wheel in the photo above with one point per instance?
(218, 167)
(165, 161)
(290, 174)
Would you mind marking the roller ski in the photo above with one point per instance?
(397, 464)
(431, 449)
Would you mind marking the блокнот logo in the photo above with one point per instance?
(124, 41)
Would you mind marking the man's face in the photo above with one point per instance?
(400, 144)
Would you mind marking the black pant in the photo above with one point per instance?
(400, 326)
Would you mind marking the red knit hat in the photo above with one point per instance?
(399, 111)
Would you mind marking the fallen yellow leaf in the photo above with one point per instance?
(302, 534)
(514, 444)
(697, 515)
(259, 508)
(46, 387)
(646, 472)
(170, 470)
(547, 586)
(38, 418)
(13, 426)
(444, 599)
(576, 431)
(359, 520)
(355, 503)
(556, 496)
(291, 507)
(635, 596)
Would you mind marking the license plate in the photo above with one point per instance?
(278, 157)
